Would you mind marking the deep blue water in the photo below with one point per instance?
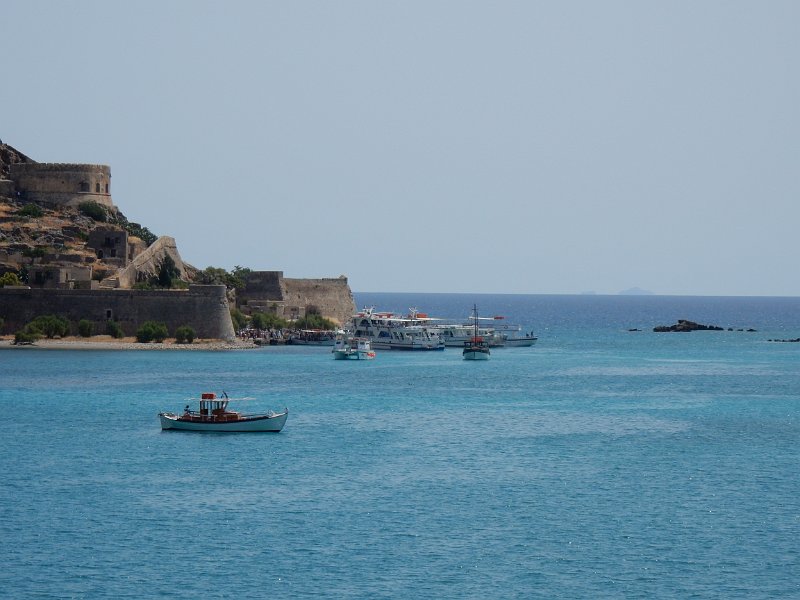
(599, 463)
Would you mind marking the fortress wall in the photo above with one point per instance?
(66, 184)
(148, 262)
(7, 188)
(332, 297)
(202, 307)
(262, 289)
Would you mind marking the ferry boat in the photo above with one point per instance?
(213, 415)
(476, 348)
(455, 334)
(347, 347)
(387, 331)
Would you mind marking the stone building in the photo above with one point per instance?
(64, 184)
(60, 277)
(110, 245)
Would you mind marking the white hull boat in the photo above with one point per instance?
(386, 331)
(214, 416)
(520, 342)
(352, 348)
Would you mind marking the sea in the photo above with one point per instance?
(606, 461)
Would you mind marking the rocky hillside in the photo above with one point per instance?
(40, 234)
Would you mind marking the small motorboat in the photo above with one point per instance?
(347, 347)
(213, 415)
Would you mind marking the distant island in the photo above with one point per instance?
(635, 291)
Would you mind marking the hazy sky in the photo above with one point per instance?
(521, 147)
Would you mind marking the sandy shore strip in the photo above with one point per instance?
(106, 342)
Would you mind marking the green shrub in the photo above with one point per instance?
(35, 252)
(85, 328)
(31, 210)
(9, 279)
(261, 320)
(315, 321)
(25, 337)
(238, 318)
(184, 335)
(114, 330)
(49, 325)
(93, 210)
(152, 331)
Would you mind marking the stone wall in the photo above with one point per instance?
(270, 291)
(148, 262)
(202, 307)
(263, 292)
(65, 184)
(332, 298)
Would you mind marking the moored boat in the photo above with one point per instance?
(476, 348)
(213, 415)
(312, 337)
(387, 331)
(348, 347)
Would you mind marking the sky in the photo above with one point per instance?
(433, 146)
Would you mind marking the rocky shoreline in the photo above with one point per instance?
(109, 343)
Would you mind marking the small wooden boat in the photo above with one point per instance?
(347, 347)
(476, 348)
(213, 415)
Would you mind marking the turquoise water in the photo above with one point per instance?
(599, 463)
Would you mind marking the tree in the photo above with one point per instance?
(314, 321)
(239, 276)
(85, 328)
(93, 210)
(152, 331)
(25, 337)
(167, 271)
(268, 321)
(9, 278)
(114, 330)
(238, 318)
(213, 276)
(184, 335)
(48, 325)
(31, 210)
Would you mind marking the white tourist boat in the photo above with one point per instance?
(213, 415)
(513, 337)
(348, 347)
(454, 335)
(476, 348)
(387, 331)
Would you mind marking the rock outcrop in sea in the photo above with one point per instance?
(684, 325)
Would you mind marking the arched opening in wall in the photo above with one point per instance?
(106, 188)
(97, 187)
(84, 186)
(109, 314)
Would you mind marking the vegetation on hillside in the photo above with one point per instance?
(234, 279)
(9, 278)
